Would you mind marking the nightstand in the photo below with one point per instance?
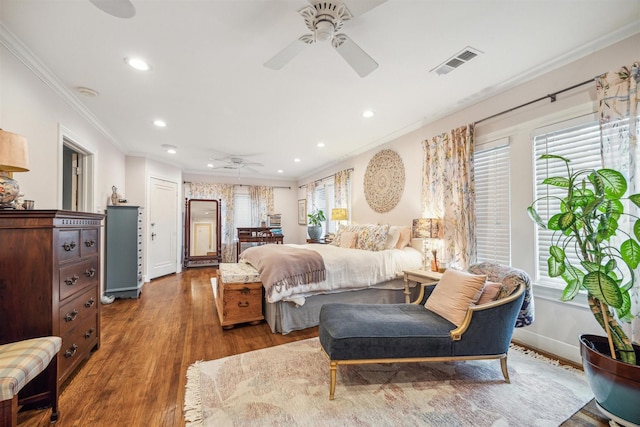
(319, 241)
(418, 276)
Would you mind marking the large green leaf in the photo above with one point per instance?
(533, 214)
(557, 252)
(635, 198)
(636, 229)
(630, 250)
(615, 185)
(566, 220)
(603, 288)
(557, 181)
(570, 291)
(554, 222)
(572, 273)
(555, 268)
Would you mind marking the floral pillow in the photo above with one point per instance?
(337, 241)
(372, 237)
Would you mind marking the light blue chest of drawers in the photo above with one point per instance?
(123, 273)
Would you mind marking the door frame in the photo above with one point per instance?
(87, 182)
(147, 228)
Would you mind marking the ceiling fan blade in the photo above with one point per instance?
(281, 58)
(360, 7)
(357, 58)
(117, 8)
(253, 164)
(252, 170)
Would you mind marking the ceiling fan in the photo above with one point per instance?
(117, 8)
(325, 19)
(237, 162)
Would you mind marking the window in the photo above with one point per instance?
(491, 164)
(578, 140)
(323, 200)
(242, 207)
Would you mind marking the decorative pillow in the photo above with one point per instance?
(348, 239)
(454, 293)
(372, 237)
(392, 237)
(490, 292)
(342, 229)
(405, 237)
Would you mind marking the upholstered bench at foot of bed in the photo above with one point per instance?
(21, 362)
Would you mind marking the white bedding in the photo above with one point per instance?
(352, 269)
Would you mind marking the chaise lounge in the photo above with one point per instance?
(449, 327)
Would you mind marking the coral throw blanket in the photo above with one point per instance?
(285, 267)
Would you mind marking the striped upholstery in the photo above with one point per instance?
(22, 361)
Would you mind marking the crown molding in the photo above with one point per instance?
(24, 55)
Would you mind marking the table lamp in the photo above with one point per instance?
(428, 229)
(14, 157)
(338, 214)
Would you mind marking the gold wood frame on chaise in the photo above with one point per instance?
(456, 335)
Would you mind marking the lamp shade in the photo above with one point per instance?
(339, 214)
(427, 228)
(14, 155)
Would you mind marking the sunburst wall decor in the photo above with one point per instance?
(384, 181)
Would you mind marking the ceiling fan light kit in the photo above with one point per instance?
(325, 20)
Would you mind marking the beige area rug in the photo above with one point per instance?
(288, 385)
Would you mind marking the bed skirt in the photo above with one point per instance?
(284, 316)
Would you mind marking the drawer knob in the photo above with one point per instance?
(71, 281)
(70, 317)
(90, 302)
(90, 272)
(245, 290)
(90, 243)
(243, 304)
(89, 333)
(71, 351)
(69, 246)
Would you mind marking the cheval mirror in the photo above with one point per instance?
(202, 236)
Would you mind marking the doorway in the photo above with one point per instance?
(76, 181)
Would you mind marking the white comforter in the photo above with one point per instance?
(352, 269)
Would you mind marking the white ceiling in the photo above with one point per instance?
(208, 82)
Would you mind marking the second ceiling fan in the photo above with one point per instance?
(325, 19)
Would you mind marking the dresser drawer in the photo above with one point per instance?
(90, 242)
(75, 277)
(79, 308)
(76, 345)
(68, 244)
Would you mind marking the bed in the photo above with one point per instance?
(354, 273)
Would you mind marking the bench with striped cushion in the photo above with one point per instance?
(21, 362)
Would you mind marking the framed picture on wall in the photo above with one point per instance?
(302, 212)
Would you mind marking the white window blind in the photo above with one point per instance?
(579, 141)
(493, 203)
(242, 208)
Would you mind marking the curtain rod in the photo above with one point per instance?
(322, 179)
(551, 96)
(247, 185)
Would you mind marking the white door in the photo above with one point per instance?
(163, 217)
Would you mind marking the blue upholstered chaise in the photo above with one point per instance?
(384, 333)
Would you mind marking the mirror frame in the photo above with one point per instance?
(201, 260)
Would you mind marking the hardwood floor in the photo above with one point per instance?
(138, 376)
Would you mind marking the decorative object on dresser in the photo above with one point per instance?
(430, 230)
(50, 282)
(123, 259)
(14, 157)
(384, 181)
(238, 294)
(202, 233)
(253, 236)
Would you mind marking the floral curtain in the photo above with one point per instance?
(617, 93)
(311, 189)
(448, 192)
(261, 203)
(341, 190)
(224, 193)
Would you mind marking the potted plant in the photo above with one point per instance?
(586, 224)
(314, 227)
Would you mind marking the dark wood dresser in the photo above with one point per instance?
(50, 280)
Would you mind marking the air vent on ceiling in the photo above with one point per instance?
(462, 57)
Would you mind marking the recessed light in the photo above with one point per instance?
(209, 165)
(160, 123)
(320, 144)
(297, 160)
(138, 64)
(368, 114)
(171, 149)
(280, 171)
